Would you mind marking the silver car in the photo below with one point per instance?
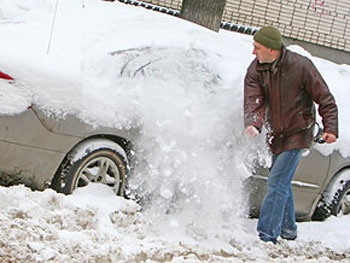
(43, 151)
(321, 186)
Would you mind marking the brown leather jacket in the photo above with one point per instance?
(282, 98)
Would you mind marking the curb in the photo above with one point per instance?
(224, 25)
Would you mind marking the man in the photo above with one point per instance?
(280, 89)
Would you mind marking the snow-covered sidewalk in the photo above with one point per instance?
(94, 225)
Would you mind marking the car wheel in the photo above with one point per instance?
(342, 201)
(336, 199)
(97, 161)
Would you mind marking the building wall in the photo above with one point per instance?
(321, 22)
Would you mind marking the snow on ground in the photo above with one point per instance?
(94, 225)
(181, 85)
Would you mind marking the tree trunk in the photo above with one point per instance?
(207, 13)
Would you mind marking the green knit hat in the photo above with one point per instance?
(269, 37)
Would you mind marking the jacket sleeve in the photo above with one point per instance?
(254, 108)
(320, 93)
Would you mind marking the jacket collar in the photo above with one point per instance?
(273, 67)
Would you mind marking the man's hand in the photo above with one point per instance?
(251, 131)
(329, 137)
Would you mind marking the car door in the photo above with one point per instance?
(308, 182)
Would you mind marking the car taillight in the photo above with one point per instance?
(5, 76)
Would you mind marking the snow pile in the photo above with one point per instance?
(94, 225)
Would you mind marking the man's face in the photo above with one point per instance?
(262, 53)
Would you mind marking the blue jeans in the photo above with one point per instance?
(277, 215)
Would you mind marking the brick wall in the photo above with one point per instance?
(174, 4)
(322, 22)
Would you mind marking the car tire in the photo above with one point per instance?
(97, 161)
(336, 199)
